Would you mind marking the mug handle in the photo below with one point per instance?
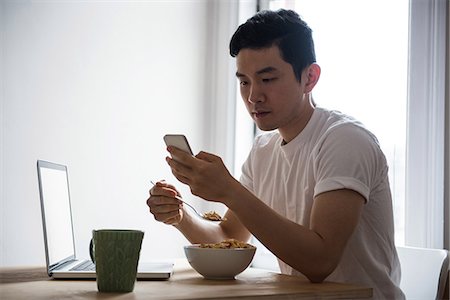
(91, 250)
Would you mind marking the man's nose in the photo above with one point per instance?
(255, 94)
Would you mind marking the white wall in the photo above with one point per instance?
(95, 85)
(2, 241)
(447, 180)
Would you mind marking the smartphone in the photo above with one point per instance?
(178, 140)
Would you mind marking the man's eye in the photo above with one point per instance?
(242, 83)
(269, 79)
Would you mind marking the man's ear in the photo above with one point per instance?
(312, 74)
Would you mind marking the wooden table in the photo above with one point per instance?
(33, 283)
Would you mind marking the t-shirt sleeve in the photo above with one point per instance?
(348, 157)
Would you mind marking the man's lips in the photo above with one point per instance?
(260, 114)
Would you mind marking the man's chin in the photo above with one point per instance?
(265, 127)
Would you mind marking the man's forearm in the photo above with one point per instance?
(297, 245)
(200, 231)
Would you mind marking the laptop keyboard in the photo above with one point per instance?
(84, 266)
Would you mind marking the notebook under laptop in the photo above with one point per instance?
(59, 239)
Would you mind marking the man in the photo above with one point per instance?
(314, 191)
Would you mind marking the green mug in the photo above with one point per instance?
(115, 253)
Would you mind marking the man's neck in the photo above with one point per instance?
(288, 134)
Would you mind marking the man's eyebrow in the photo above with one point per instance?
(259, 72)
(266, 70)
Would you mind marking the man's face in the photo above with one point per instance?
(271, 92)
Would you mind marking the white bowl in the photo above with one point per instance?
(213, 263)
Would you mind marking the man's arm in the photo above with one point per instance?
(314, 250)
(201, 231)
(169, 210)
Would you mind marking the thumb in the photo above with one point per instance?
(207, 156)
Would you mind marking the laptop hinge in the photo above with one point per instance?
(61, 264)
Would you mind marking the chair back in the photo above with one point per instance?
(424, 272)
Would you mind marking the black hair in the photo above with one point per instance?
(283, 28)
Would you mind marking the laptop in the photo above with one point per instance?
(59, 239)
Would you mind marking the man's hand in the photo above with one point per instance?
(163, 204)
(205, 174)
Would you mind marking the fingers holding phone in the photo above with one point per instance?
(179, 141)
(181, 161)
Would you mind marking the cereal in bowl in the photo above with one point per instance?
(227, 244)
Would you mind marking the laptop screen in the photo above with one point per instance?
(56, 212)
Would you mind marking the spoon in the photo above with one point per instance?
(206, 216)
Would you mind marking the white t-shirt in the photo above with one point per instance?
(333, 152)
